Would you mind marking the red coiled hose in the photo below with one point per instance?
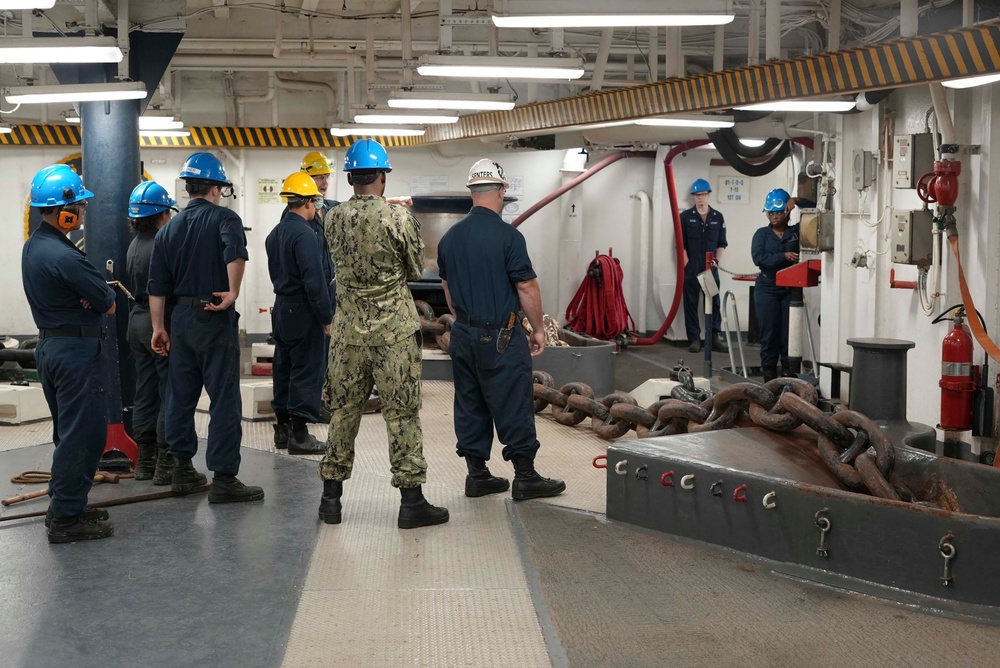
(598, 308)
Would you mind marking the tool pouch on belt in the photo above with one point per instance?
(203, 315)
(503, 336)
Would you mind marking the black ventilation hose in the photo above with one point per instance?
(746, 151)
(744, 167)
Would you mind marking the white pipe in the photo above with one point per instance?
(322, 86)
(251, 99)
(833, 37)
(278, 37)
(753, 44)
(653, 57)
(370, 61)
(123, 41)
(215, 63)
(404, 9)
(644, 247)
(942, 113)
(597, 79)
(719, 53)
(908, 18)
(772, 29)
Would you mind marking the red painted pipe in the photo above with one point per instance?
(901, 285)
(556, 194)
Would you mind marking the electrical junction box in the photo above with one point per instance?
(912, 238)
(816, 230)
(912, 157)
(863, 173)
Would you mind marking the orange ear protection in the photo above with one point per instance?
(68, 216)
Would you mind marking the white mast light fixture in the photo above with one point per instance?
(132, 90)
(813, 106)
(403, 119)
(164, 133)
(147, 122)
(60, 50)
(971, 82)
(452, 101)
(687, 122)
(348, 130)
(498, 67)
(5, 129)
(598, 14)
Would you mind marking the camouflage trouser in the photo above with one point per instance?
(395, 370)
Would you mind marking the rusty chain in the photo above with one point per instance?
(783, 404)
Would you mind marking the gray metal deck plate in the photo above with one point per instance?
(624, 596)
(181, 583)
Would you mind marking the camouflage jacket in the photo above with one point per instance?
(376, 248)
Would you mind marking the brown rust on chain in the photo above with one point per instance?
(873, 478)
(816, 419)
(567, 414)
(885, 453)
(610, 427)
(771, 414)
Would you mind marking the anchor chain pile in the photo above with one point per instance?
(781, 405)
(439, 328)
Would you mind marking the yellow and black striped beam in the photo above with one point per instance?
(200, 137)
(897, 63)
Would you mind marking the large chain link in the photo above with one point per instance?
(783, 404)
(433, 326)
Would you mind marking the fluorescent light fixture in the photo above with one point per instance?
(495, 67)
(27, 4)
(971, 82)
(5, 129)
(802, 105)
(147, 122)
(686, 122)
(132, 90)
(348, 130)
(456, 101)
(164, 133)
(60, 50)
(404, 119)
(602, 14)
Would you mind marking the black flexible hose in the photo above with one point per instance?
(746, 151)
(948, 310)
(744, 167)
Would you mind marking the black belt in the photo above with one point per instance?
(198, 300)
(293, 299)
(465, 320)
(75, 332)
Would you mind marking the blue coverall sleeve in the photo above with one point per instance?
(722, 243)
(234, 240)
(442, 269)
(84, 279)
(161, 280)
(758, 251)
(516, 259)
(308, 257)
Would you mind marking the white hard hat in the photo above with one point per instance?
(486, 172)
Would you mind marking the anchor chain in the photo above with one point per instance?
(783, 404)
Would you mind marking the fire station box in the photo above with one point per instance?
(912, 239)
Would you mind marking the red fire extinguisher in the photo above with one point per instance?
(958, 381)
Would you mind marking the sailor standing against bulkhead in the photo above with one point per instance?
(199, 259)
(68, 299)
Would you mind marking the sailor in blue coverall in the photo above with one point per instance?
(487, 276)
(68, 298)
(775, 247)
(199, 259)
(301, 317)
(704, 231)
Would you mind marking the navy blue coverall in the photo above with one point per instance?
(150, 368)
(772, 302)
(302, 309)
(483, 258)
(189, 262)
(700, 237)
(56, 277)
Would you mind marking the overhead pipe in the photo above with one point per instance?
(312, 86)
(248, 99)
(643, 199)
(668, 173)
(215, 62)
(597, 79)
(556, 194)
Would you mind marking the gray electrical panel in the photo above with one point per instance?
(816, 230)
(913, 156)
(863, 169)
(911, 237)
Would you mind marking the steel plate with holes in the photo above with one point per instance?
(770, 495)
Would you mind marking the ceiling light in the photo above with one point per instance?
(456, 101)
(5, 129)
(147, 122)
(496, 67)
(348, 130)
(601, 14)
(60, 50)
(164, 133)
(970, 82)
(404, 119)
(27, 4)
(749, 143)
(132, 90)
(801, 105)
(686, 122)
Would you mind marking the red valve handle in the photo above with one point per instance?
(923, 188)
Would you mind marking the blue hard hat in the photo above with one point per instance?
(204, 167)
(700, 186)
(366, 154)
(148, 199)
(56, 185)
(776, 200)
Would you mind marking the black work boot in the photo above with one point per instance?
(769, 372)
(281, 431)
(89, 515)
(301, 442)
(695, 346)
(415, 511)
(529, 484)
(329, 505)
(480, 481)
(719, 343)
(72, 529)
(228, 489)
(146, 464)
(164, 473)
(185, 478)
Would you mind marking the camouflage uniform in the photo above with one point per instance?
(376, 248)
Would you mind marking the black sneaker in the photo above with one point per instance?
(228, 489)
(185, 477)
(89, 515)
(72, 529)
